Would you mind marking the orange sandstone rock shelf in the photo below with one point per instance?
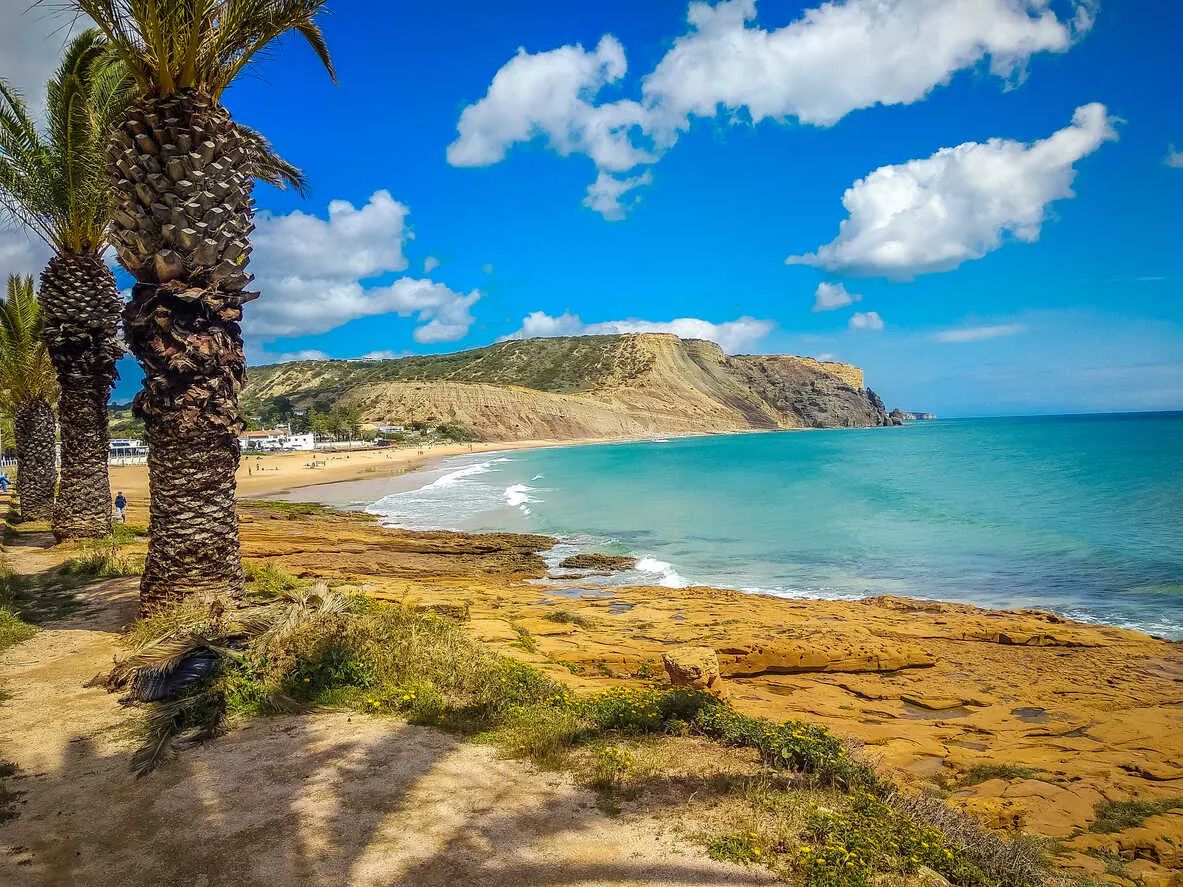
(1082, 714)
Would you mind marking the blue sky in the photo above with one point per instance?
(983, 285)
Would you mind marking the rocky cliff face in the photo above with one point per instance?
(587, 386)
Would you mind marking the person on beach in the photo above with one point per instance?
(121, 506)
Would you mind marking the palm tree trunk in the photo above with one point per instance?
(181, 224)
(80, 303)
(36, 458)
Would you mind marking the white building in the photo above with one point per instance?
(276, 439)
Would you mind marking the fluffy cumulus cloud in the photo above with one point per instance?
(830, 296)
(732, 336)
(1174, 158)
(980, 333)
(832, 60)
(606, 194)
(312, 274)
(869, 321)
(551, 96)
(843, 56)
(933, 214)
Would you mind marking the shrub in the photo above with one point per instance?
(744, 847)
(1117, 816)
(984, 772)
(564, 616)
(102, 559)
(269, 579)
(13, 630)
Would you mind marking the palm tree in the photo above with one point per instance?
(28, 392)
(55, 185)
(181, 176)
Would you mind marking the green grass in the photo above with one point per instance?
(13, 629)
(984, 772)
(525, 641)
(290, 508)
(269, 579)
(1117, 816)
(567, 617)
(390, 660)
(103, 559)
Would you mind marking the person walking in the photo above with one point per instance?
(4, 481)
(121, 506)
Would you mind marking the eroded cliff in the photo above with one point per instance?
(585, 386)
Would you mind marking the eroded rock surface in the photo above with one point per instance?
(939, 693)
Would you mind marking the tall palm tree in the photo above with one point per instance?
(28, 392)
(55, 184)
(180, 172)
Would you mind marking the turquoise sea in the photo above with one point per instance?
(1082, 515)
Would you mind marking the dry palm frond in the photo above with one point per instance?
(170, 665)
(179, 724)
(173, 670)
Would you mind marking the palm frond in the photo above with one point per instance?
(169, 727)
(56, 183)
(26, 373)
(169, 45)
(267, 166)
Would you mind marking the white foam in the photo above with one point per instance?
(668, 576)
(453, 477)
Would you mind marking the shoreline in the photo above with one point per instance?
(356, 494)
(1024, 719)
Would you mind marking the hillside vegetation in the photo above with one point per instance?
(585, 386)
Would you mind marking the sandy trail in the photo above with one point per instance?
(300, 800)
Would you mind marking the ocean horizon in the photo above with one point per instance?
(1080, 514)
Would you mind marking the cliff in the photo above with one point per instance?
(585, 386)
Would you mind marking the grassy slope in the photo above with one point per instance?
(562, 366)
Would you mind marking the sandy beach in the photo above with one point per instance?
(306, 477)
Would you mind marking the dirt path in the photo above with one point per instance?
(326, 799)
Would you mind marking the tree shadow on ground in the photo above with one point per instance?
(309, 799)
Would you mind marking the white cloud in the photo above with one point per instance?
(870, 321)
(843, 56)
(352, 243)
(830, 296)
(296, 306)
(732, 336)
(306, 354)
(549, 95)
(430, 264)
(311, 273)
(980, 333)
(832, 60)
(605, 193)
(1174, 158)
(385, 354)
(932, 215)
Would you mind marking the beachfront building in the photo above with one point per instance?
(119, 447)
(276, 439)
